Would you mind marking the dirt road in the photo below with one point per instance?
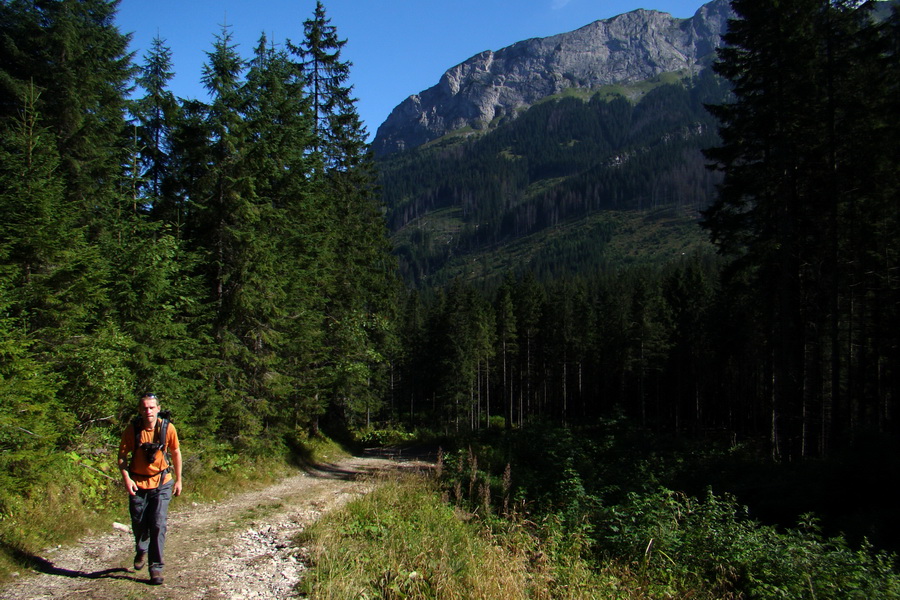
(237, 549)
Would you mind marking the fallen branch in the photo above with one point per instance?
(97, 470)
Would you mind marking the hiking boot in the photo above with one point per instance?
(156, 577)
(139, 559)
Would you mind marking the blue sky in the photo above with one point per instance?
(397, 47)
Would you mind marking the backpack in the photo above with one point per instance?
(159, 441)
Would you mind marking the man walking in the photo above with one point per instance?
(153, 444)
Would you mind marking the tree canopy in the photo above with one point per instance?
(228, 254)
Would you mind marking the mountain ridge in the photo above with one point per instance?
(492, 86)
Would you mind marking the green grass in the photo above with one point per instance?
(403, 541)
(70, 502)
(406, 540)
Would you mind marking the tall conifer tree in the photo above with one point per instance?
(81, 60)
(792, 187)
(155, 114)
(507, 338)
(362, 297)
(292, 260)
(223, 227)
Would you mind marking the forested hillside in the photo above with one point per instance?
(607, 393)
(787, 338)
(560, 163)
(228, 255)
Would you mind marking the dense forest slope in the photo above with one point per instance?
(570, 164)
(786, 339)
(534, 158)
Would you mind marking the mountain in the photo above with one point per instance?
(577, 182)
(492, 87)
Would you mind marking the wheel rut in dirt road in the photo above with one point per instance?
(240, 548)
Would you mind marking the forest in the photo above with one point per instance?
(233, 256)
(229, 255)
(787, 334)
(780, 346)
(562, 160)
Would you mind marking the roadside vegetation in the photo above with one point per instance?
(403, 541)
(592, 519)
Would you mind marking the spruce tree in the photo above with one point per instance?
(35, 227)
(80, 60)
(61, 295)
(529, 300)
(36, 234)
(362, 299)
(293, 261)
(223, 228)
(32, 420)
(188, 164)
(326, 77)
(155, 113)
(794, 184)
(507, 338)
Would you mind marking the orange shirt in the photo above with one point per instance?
(145, 474)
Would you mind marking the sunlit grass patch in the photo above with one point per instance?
(402, 541)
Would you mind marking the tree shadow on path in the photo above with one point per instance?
(42, 565)
(417, 458)
(330, 471)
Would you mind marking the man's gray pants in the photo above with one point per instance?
(149, 511)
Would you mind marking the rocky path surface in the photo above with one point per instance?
(240, 548)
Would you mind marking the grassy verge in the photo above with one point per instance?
(596, 503)
(405, 541)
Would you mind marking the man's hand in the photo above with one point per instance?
(130, 485)
(176, 463)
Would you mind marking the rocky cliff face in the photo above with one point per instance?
(493, 85)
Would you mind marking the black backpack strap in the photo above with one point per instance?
(163, 439)
(136, 424)
(161, 431)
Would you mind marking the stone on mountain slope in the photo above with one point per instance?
(492, 85)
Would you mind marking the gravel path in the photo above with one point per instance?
(240, 548)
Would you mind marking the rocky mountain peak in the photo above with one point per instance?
(493, 85)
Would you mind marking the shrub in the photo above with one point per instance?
(401, 541)
(679, 542)
(385, 436)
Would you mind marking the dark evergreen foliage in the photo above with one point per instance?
(787, 339)
(571, 350)
(204, 250)
(559, 161)
(797, 187)
(362, 295)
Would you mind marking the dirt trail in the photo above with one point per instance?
(236, 549)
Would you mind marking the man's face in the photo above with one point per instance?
(149, 409)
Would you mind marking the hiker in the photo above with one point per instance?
(153, 444)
